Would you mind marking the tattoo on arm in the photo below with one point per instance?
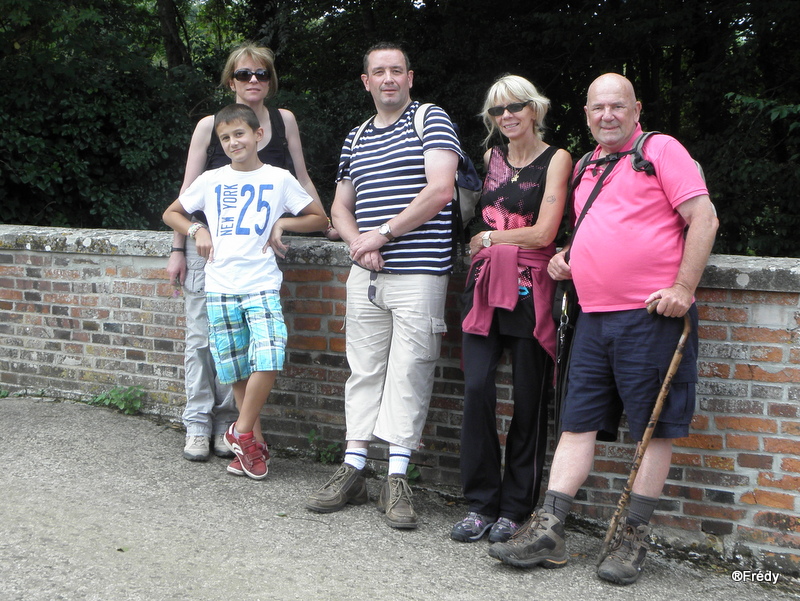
(550, 199)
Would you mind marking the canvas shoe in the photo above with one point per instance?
(248, 453)
(196, 448)
(540, 541)
(623, 564)
(220, 448)
(502, 530)
(347, 485)
(235, 466)
(472, 528)
(395, 502)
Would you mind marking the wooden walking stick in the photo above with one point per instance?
(648, 434)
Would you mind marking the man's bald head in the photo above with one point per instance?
(612, 111)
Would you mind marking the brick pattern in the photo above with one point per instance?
(737, 472)
(78, 324)
(76, 321)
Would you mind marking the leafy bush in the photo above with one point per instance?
(95, 133)
(128, 400)
(325, 453)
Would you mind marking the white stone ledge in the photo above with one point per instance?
(729, 272)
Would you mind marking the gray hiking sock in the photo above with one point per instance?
(557, 503)
(640, 510)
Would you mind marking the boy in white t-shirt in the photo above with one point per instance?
(244, 203)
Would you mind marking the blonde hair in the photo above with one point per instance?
(260, 54)
(513, 88)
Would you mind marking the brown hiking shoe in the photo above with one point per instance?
(623, 564)
(540, 541)
(395, 501)
(347, 485)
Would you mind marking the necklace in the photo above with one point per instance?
(517, 170)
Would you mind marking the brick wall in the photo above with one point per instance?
(82, 311)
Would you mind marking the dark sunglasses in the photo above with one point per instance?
(247, 74)
(514, 107)
(373, 275)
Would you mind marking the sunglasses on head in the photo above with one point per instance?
(247, 74)
(514, 107)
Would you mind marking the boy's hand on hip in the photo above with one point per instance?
(205, 248)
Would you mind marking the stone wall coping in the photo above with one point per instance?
(147, 243)
(731, 272)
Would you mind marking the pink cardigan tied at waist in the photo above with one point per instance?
(497, 287)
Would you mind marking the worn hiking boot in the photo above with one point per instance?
(472, 528)
(395, 501)
(540, 541)
(623, 564)
(347, 485)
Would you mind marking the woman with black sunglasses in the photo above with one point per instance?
(507, 304)
(250, 74)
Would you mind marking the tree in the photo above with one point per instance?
(171, 25)
(720, 75)
(92, 132)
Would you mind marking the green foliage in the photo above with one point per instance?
(94, 129)
(3, 393)
(128, 400)
(92, 132)
(413, 474)
(325, 453)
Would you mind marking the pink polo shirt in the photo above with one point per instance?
(630, 243)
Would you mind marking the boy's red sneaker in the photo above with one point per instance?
(235, 466)
(248, 452)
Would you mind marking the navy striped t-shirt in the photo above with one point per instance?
(387, 169)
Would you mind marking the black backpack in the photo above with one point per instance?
(638, 162)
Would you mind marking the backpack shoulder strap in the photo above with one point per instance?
(582, 164)
(419, 118)
(638, 162)
(360, 131)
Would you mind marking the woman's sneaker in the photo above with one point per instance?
(472, 528)
(196, 448)
(502, 530)
(220, 448)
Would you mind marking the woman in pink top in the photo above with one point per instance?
(508, 299)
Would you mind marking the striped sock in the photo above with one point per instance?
(399, 458)
(356, 457)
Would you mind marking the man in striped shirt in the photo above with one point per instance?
(392, 206)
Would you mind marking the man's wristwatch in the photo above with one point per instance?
(385, 230)
(487, 241)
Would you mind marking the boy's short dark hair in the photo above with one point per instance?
(237, 112)
(385, 46)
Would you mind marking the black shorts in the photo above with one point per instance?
(619, 360)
